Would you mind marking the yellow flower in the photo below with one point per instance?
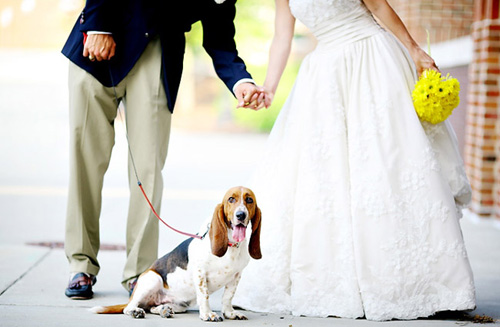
(435, 97)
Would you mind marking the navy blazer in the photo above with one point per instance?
(134, 22)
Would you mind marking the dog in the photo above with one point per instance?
(197, 268)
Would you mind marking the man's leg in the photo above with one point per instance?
(91, 117)
(148, 121)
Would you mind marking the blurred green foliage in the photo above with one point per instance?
(254, 31)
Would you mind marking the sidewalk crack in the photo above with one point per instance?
(26, 272)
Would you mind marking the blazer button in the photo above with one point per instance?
(146, 35)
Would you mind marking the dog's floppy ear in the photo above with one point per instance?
(254, 246)
(218, 232)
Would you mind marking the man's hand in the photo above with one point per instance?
(99, 46)
(249, 96)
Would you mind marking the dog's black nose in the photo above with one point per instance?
(241, 215)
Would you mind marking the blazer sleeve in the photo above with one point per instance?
(218, 41)
(98, 16)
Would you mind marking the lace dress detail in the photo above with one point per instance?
(360, 200)
(313, 12)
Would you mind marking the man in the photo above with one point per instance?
(137, 47)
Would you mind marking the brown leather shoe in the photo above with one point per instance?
(80, 287)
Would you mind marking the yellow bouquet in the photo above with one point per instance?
(435, 97)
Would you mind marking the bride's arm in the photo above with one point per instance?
(279, 52)
(384, 12)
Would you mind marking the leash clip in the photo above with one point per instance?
(205, 234)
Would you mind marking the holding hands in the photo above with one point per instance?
(254, 97)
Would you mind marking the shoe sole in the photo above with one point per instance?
(79, 298)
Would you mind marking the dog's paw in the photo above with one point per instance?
(234, 315)
(136, 313)
(166, 311)
(211, 316)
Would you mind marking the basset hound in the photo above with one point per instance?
(197, 268)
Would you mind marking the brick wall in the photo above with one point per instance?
(482, 151)
(496, 190)
(445, 19)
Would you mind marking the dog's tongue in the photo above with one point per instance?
(239, 233)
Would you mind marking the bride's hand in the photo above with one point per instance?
(422, 60)
(268, 97)
(262, 99)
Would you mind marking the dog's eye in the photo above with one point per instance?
(249, 200)
(231, 200)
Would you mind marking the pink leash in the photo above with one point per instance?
(137, 176)
(158, 216)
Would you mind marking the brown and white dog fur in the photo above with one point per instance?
(197, 268)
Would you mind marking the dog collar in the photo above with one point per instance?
(233, 245)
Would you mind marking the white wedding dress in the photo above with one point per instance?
(360, 200)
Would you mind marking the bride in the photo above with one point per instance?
(362, 200)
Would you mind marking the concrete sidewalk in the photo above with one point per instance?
(33, 184)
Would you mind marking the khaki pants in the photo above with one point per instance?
(93, 109)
